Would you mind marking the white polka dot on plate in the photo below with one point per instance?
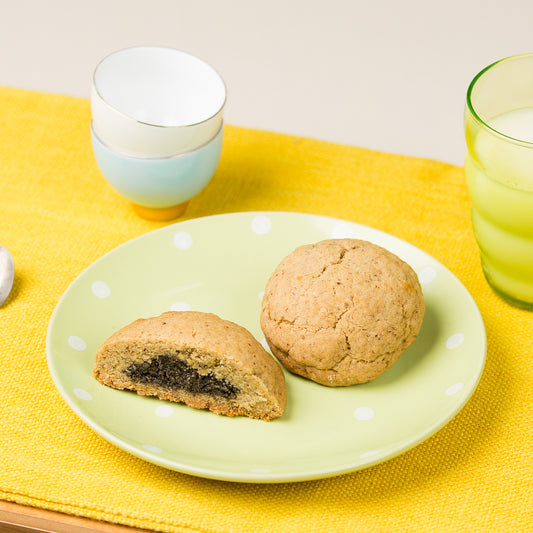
(83, 394)
(343, 230)
(77, 343)
(164, 411)
(261, 224)
(261, 295)
(427, 275)
(152, 448)
(455, 341)
(363, 413)
(183, 240)
(265, 345)
(100, 289)
(454, 389)
(180, 306)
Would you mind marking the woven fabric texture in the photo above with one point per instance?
(58, 215)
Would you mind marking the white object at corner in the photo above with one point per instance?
(7, 274)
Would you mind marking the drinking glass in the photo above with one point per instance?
(499, 174)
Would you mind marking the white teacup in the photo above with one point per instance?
(156, 101)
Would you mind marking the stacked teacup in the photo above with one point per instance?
(157, 127)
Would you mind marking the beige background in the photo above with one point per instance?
(382, 74)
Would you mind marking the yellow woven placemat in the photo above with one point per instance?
(57, 215)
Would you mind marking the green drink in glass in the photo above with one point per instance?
(499, 174)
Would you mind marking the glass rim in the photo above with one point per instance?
(474, 113)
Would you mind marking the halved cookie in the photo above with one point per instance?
(195, 358)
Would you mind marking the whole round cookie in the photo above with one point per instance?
(341, 311)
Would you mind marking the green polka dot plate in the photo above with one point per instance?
(220, 264)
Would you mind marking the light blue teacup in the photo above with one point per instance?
(158, 187)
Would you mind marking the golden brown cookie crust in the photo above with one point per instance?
(341, 311)
(216, 350)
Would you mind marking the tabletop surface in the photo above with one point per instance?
(390, 76)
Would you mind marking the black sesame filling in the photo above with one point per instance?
(173, 373)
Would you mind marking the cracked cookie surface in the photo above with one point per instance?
(341, 311)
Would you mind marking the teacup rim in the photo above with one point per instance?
(132, 155)
(150, 124)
